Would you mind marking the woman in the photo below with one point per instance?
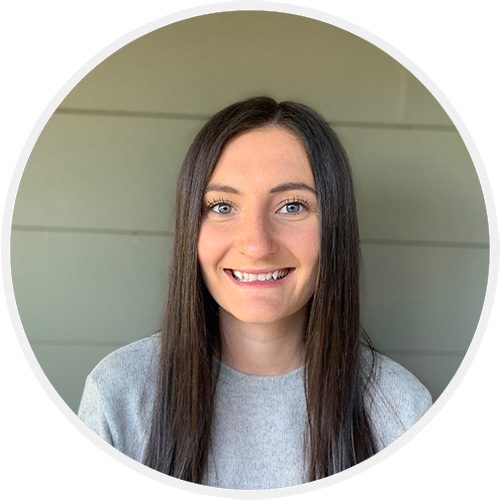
(259, 378)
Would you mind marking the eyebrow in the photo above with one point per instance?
(286, 186)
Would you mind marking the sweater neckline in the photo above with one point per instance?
(231, 376)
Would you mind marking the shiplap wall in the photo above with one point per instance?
(93, 216)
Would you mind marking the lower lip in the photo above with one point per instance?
(259, 284)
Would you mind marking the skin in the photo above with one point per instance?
(254, 220)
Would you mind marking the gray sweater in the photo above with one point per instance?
(259, 421)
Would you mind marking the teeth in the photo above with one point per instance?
(249, 277)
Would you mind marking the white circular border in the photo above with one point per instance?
(336, 22)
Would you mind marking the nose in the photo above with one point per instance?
(256, 238)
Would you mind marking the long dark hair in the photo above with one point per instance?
(338, 433)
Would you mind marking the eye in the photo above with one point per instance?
(293, 207)
(220, 208)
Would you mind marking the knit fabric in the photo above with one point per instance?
(259, 421)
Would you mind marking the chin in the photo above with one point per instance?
(260, 315)
(255, 314)
(257, 319)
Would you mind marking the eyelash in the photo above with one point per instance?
(290, 201)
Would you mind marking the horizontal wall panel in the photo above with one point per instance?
(422, 298)
(433, 370)
(87, 287)
(415, 185)
(104, 172)
(202, 64)
(120, 173)
(67, 366)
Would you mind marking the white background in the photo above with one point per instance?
(43, 45)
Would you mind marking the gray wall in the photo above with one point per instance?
(93, 216)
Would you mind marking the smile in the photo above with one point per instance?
(246, 277)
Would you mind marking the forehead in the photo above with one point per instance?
(263, 155)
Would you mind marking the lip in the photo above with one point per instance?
(259, 284)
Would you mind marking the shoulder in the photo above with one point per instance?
(396, 399)
(128, 365)
(119, 393)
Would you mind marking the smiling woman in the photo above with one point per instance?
(258, 248)
(261, 376)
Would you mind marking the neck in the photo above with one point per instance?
(263, 349)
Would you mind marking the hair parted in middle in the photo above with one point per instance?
(338, 434)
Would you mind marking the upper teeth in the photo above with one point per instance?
(260, 277)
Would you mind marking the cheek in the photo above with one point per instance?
(307, 248)
(211, 246)
(204, 249)
(304, 243)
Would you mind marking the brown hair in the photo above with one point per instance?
(338, 433)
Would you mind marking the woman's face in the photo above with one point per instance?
(258, 244)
